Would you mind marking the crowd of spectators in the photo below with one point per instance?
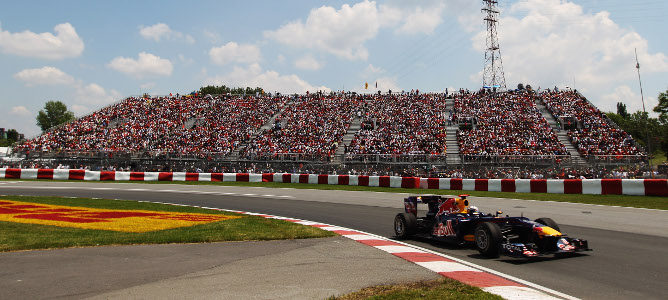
(594, 134)
(179, 125)
(312, 126)
(504, 123)
(401, 124)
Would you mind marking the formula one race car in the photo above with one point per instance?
(453, 220)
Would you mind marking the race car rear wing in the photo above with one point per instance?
(410, 203)
(434, 202)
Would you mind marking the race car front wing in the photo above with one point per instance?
(528, 250)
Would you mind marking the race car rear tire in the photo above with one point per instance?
(404, 225)
(487, 239)
(549, 223)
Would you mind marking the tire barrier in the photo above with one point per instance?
(647, 187)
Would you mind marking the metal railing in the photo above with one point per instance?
(395, 158)
(286, 157)
(230, 156)
(515, 159)
(616, 159)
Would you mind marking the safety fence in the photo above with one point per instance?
(649, 187)
(174, 160)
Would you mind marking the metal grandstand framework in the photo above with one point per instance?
(493, 75)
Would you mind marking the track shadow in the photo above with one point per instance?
(510, 260)
(434, 243)
(524, 261)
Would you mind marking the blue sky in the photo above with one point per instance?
(91, 53)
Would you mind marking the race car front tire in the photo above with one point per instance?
(404, 225)
(487, 239)
(549, 223)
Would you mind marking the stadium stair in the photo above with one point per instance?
(452, 147)
(116, 122)
(268, 125)
(355, 126)
(190, 123)
(576, 158)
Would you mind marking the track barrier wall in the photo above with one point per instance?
(648, 187)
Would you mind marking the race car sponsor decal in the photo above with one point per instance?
(444, 229)
(448, 206)
(564, 245)
(101, 219)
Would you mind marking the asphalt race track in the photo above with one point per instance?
(629, 260)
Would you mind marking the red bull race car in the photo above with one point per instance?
(452, 220)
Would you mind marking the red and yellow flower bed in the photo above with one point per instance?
(101, 219)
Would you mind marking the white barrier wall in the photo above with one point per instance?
(654, 187)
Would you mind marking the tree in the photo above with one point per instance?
(12, 135)
(220, 90)
(54, 114)
(621, 110)
(641, 127)
(662, 107)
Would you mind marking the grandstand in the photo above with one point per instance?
(410, 127)
(407, 131)
(311, 128)
(594, 135)
(505, 126)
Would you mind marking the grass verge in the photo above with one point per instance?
(652, 202)
(434, 289)
(19, 236)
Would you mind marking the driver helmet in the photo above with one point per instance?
(473, 210)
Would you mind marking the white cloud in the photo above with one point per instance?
(93, 93)
(566, 42)
(556, 42)
(343, 32)
(280, 58)
(235, 53)
(340, 32)
(147, 65)
(422, 19)
(155, 32)
(91, 97)
(387, 83)
(87, 97)
(80, 110)
(44, 76)
(65, 43)
(371, 71)
(270, 81)
(186, 60)
(161, 31)
(308, 63)
(628, 96)
(20, 111)
(212, 36)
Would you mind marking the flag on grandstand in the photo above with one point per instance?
(376, 84)
(366, 85)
